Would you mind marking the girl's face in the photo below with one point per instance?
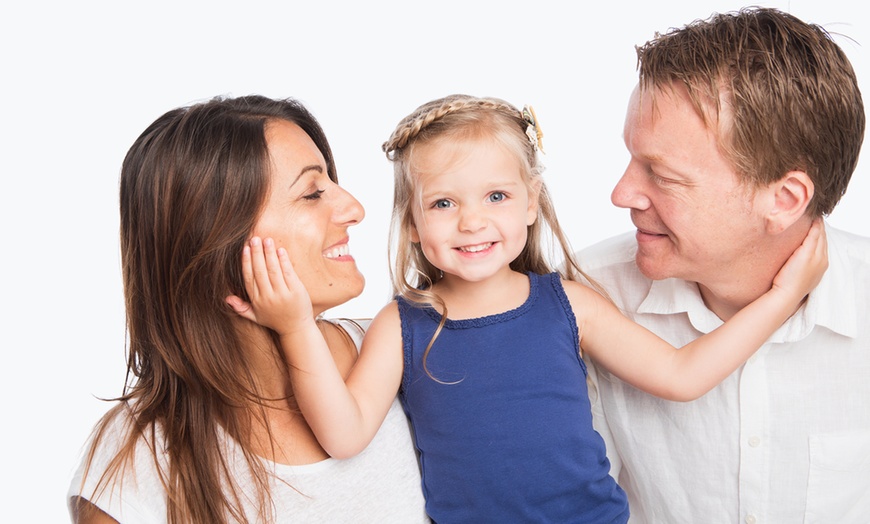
(309, 215)
(473, 208)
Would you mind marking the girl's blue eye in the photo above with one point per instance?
(442, 204)
(314, 196)
(497, 196)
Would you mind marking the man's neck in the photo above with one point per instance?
(733, 292)
(727, 301)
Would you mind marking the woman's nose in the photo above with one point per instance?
(348, 211)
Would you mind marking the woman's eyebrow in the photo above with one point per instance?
(313, 167)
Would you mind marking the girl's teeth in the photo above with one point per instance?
(475, 249)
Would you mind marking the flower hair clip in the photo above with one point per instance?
(533, 130)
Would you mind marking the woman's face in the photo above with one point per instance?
(309, 215)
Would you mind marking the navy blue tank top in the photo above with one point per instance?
(506, 435)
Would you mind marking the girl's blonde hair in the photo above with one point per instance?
(457, 118)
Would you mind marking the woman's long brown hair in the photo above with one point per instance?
(192, 187)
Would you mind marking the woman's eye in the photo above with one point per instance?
(314, 195)
(442, 204)
(497, 196)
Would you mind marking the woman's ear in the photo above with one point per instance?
(791, 197)
(242, 308)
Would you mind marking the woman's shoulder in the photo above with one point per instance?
(111, 431)
(355, 327)
(112, 434)
(117, 469)
(352, 329)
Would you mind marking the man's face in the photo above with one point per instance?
(694, 218)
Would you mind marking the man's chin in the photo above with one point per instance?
(652, 268)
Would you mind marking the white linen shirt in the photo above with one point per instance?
(784, 439)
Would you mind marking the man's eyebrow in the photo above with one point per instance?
(652, 157)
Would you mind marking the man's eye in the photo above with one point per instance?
(656, 179)
(314, 196)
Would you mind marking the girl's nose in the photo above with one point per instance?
(471, 219)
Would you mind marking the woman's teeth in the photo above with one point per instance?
(337, 251)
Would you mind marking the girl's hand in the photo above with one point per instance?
(279, 301)
(803, 270)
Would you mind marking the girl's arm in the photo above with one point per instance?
(642, 359)
(344, 417)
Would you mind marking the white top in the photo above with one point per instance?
(381, 484)
(784, 439)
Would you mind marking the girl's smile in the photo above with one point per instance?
(474, 208)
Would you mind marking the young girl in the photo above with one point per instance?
(484, 340)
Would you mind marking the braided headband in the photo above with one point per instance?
(527, 115)
(533, 130)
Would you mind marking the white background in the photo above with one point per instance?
(81, 80)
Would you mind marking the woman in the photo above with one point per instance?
(207, 429)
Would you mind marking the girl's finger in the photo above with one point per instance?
(273, 265)
(289, 273)
(258, 262)
(248, 271)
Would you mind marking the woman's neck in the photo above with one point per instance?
(279, 431)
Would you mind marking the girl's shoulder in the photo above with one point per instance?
(388, 318)
(583, 298)
(577, 288)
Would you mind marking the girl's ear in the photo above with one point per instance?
(412, 232)
(791, 197)
(534, 200)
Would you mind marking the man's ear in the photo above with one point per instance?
(791, 197)
(534, 200)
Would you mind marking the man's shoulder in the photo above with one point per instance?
(619, 250)
(848, 264)
(611, 264)
(854, 245)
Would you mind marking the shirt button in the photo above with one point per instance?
(754, 442)
(750, 519)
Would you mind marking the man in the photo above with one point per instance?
(743, 129)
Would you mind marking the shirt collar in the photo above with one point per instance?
(830, 304)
